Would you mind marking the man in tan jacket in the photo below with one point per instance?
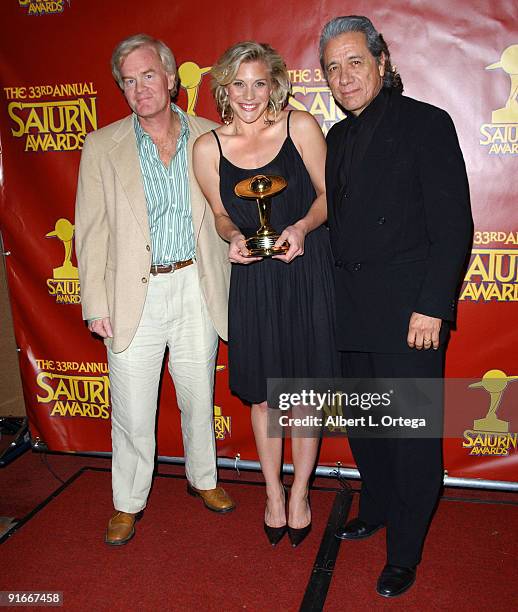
(154, 274)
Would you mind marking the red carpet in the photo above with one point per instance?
(185, 558)
(470, 562)
(182, 558)
(31, 478)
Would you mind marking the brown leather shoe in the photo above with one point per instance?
(217, 500)
(121, 528)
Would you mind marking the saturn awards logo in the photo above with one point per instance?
(492, 274)
(490, 435)
(52, 116)
(222, 423)
(190, 75)
(64, 284)
(501, 135)
(43, 7)
(73, 389)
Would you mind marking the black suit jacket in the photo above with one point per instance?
(401, 232)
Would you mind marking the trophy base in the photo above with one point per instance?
(492, 424)
(505, 115)
(262, 246)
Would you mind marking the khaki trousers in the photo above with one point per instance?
(174, 316)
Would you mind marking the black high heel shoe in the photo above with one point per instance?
(297, 536)
(275, 534)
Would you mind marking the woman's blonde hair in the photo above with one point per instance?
(225, 69)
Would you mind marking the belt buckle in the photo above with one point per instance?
(176, 265)
(155, 269)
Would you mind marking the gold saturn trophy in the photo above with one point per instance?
(261, 188)
(494, 382)
(64, 230)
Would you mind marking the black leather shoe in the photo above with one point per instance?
(297, 536)
(275, 534)
(357, 530)
(395, 580)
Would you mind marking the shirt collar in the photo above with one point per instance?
(375, 107)
(140, 133)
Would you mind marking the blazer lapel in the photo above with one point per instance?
(377, 162)
(198, 202)
(125, 160)
(380, 154)
(335, 159)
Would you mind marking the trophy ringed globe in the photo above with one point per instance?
(260, 186)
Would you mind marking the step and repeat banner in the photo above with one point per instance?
(56, 87)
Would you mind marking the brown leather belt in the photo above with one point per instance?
(170, 267)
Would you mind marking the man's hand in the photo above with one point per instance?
(101, 327)
(423, 331)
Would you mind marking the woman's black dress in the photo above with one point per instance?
(280, 315)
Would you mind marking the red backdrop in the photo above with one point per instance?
(56, 86)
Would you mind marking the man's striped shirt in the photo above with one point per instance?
(167, 196)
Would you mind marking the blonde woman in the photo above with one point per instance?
(280, 308)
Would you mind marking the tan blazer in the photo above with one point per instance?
(113, 244)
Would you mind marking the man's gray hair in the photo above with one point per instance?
(375, 43)
(126, 46)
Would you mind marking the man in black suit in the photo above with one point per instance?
(400, 226)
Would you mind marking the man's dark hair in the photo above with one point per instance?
(375, 43)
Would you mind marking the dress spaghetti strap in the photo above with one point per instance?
(219, 143)
(288, 124)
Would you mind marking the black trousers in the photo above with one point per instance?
(401, 477)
